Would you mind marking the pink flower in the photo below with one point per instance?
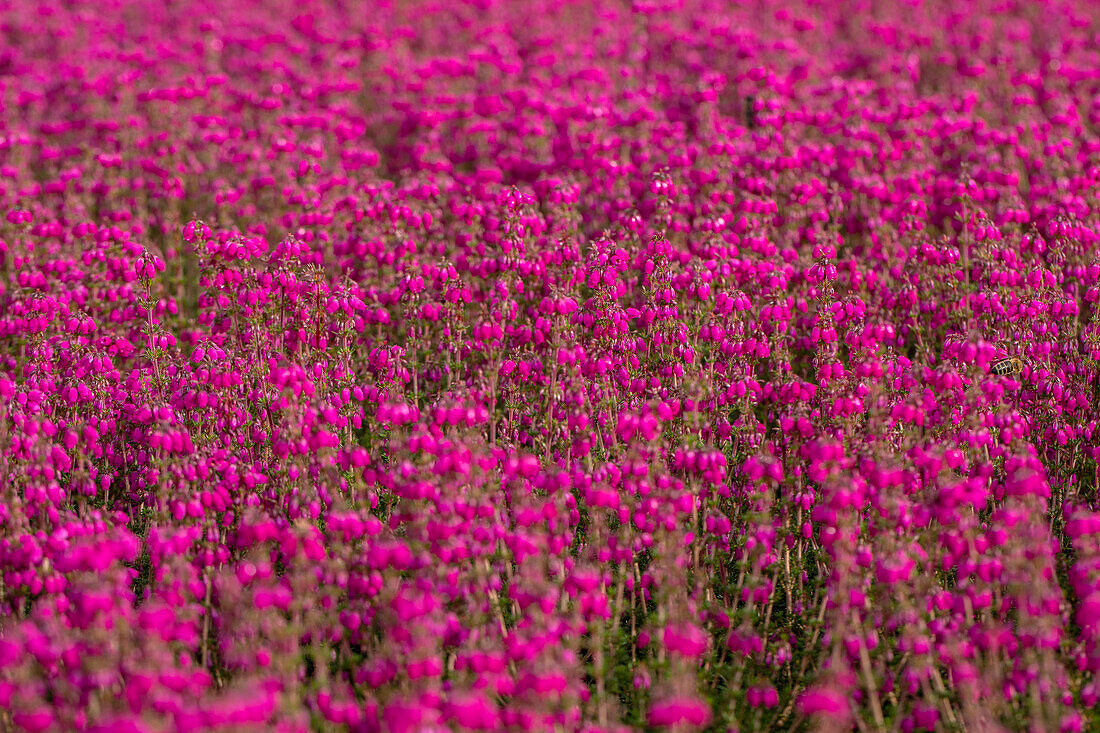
(677, 711)
(824, 701)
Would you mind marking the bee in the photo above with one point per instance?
(1010, 367)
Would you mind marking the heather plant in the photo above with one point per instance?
(663, 365)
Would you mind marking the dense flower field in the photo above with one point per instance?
(549, 365)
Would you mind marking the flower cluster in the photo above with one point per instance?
(511, 366)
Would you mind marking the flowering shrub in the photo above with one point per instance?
(669, 365)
